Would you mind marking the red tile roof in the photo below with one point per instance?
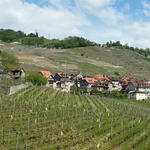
(45, 73)
(101, 77)
(90, 80)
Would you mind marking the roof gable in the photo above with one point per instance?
(45, 73)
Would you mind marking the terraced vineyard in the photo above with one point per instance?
(41, 118)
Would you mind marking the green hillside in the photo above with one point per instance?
(41, 118)
(89, 60)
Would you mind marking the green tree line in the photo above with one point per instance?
(9, 35)
(117, 44)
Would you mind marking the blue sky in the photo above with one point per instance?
(98, 20)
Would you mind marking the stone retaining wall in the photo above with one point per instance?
(13, 89)
(17, 88)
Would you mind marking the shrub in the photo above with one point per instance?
(117, 94)
(36, 78)
(116, 73)
(113, 94)
(94, 91)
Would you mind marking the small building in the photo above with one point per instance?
(86, 84)
(131, 86)
(62, 81)
(49, 76)
(138, 95)
(67, 85)
(60, 77)
(143, 88)
(18, 74)
(115, 84)
(100, 87)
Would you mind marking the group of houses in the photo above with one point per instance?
(136, 89)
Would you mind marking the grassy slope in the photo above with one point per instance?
(95, 60)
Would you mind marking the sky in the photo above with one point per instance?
(100, 21)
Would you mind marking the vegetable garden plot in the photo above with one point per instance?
(41, 118)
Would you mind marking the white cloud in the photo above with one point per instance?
(103, 9)
(90, 4)
(134, 33)
(61, 19)
(118, 25)
(146, 6)
(28, 17)
(138, 34)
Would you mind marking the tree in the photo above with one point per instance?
(36, 78)
(36, 34)
(116, 73)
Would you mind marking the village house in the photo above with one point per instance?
(18, 74)
(100, 87)
(86, 84)
(115, 83)
(60, 77)
(63, 81)
(136, 85)
(102, 78)
(138, 95)
(145, 88)
(137, 89)
(67, 85)
(130, 86)
(48, 75)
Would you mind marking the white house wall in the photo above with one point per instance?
(141, 96)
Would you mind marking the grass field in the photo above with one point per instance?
(41, 118)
